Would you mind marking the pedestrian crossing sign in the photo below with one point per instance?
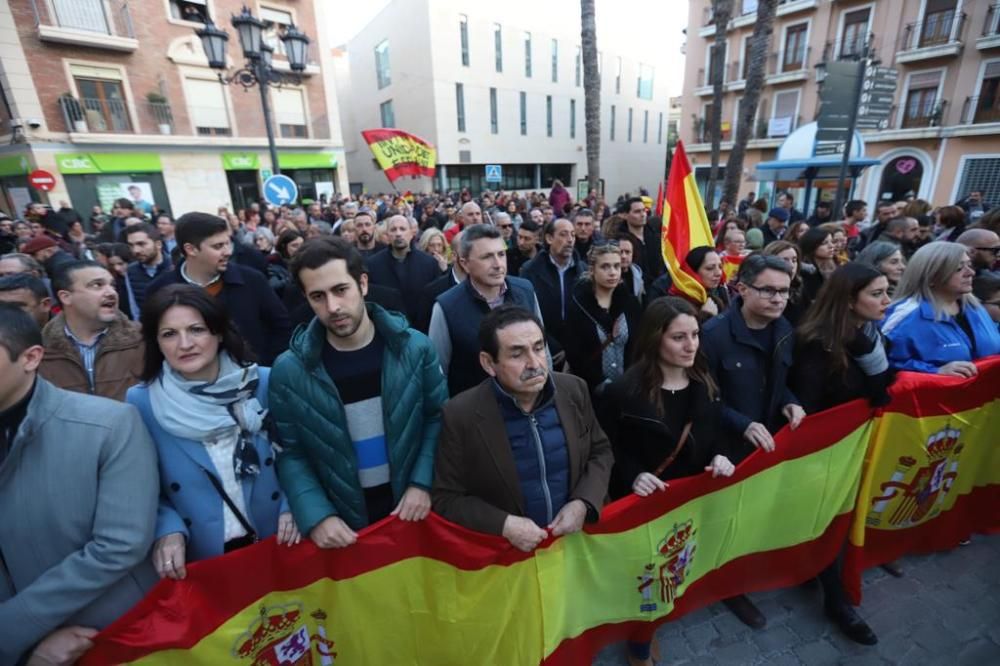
(494, 173)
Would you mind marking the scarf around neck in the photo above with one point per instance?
(208, 411)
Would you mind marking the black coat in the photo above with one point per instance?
(428, 296)
(253, 307)
(544, 277)
(583, 347)
(408, 277)
(641, 440)
(817, 388)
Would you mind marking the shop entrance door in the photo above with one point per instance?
(243, 188)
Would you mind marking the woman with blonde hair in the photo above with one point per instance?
(433, 242)
(936, 324)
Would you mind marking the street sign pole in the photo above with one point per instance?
(838, 205)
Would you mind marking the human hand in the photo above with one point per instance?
(442, 262)
(288, 531)
(710, 307)
(62, 647)
(720, 466)
(415, 504)
(332, 532)
(963, 369)
(169, 555)
(758, 435)
(570, 518)
(793, 414)
(646, 484)
(523, 533)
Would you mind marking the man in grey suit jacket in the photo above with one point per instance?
(78, 496)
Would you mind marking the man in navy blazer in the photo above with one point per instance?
(403, 268)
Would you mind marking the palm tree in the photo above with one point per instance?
(760, 42)
(722, 11)
(591, 92)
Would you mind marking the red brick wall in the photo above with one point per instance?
(149, 63)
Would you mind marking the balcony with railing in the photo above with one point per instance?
(981, 109)
(850, 48)
(114, 116)
(103, 24)
(920, 116)
(990, 35)
(939, 35)
(789, 65)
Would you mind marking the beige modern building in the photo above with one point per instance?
(489, 83)
(108, 93)
(943, 133)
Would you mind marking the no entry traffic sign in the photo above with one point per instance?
(42, 180)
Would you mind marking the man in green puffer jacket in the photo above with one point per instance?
(357, 402)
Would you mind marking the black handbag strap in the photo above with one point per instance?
(232, 506)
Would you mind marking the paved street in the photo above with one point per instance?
(945, 610)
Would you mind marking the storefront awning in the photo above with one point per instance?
(15, 165)
(808, 169)
(240, 161)
(82, 163)
(320, 160)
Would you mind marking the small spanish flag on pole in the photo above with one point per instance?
(685, 226)
(401, 153)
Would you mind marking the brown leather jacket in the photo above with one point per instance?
(117, 366)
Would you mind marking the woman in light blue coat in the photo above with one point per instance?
(205, 404)
(936, 324)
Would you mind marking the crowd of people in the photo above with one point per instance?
(173, 390)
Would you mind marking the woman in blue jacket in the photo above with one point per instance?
(205, 404)
(936, 325)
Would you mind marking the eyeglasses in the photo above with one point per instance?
(505, 226)
(771, 292)
(994, 250)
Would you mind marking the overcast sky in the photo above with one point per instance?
(650, 22)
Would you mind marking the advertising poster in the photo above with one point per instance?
(140, 194)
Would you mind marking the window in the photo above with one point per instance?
(629, 133)
(460, 106)
(939, 17)
(276, 22)
(548, 115)
(981, 173)
(572, 119)
(579, 67)
(79, 15)
(195, 11)
(208, 109)
(498, 46)
(854, 40)
(103, 102)
(794, 58)
(524, 113)
(612, 123)
(659, 130)
(783, 121)
(644, 85)
(382, 73)
(645, 126)
(921, 100)
(290, 113)
(527, 54)
(710, 78)
(749, 6)
(555, 60)
(463, 31)
(745, 64)
(706, 123)
(494, 124)
(386, 113)
(986, 105)
(618, 77)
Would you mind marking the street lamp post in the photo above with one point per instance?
(257, 70)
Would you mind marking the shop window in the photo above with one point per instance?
(207, 107)
(104, 104)
(290, 113)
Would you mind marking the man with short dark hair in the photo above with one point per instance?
(902, 231)
(357, 402)
(206, 248)
(28, 293)
(78, 491)
(403, 268)
(822, 214)
(113, 232)
(584, 231)
(553, 273)
(521, 452)
(364, 229)
(150, 262)
(525, 246)
(646, 252)
(456, 315)
(787, 201)
(776, 225)
(165, 225)
(91, 347)
(749, 352)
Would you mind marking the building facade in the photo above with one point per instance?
(116, 98)
(501, 84)
(943, 133)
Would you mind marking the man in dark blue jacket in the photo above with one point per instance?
(403, 268)
(206, 248)
(749, 351)
(553, 273)
(150, 262)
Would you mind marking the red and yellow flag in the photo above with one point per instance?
(401, 153)
(685, 226)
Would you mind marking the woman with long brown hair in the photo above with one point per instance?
(661, 417)
(792, 255)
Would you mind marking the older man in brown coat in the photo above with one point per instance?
(522, 452)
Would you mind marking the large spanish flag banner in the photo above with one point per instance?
(932, 472)
(401, 153)
(685, 225)
(434, 593)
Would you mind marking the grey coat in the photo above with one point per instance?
(78, 495)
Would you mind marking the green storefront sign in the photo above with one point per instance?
(15, 165)
(240, 161)
(84, 163)
(321, 160)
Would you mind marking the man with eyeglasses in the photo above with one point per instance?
(983, 248)
(503, 222)
(749, 351)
